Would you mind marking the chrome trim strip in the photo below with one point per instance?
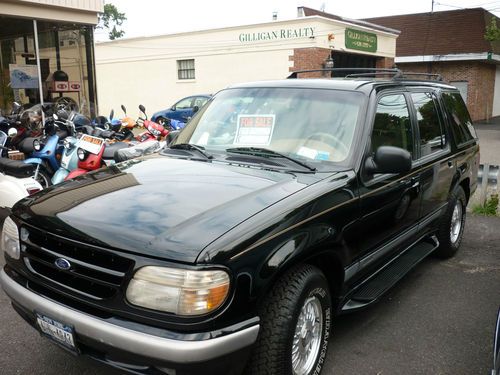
(128, 340)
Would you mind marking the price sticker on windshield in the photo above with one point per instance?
(91, 144)
(254, 129)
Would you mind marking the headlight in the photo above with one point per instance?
(182, 292)
(82, 154)
(67, 144)
(37, 145)
(9, 241)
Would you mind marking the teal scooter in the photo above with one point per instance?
(69, 157)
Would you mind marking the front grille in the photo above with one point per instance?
(95, 272)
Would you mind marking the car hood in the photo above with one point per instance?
(158, 206)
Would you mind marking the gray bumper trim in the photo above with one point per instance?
(139, 343)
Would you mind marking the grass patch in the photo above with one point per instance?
(489, 208)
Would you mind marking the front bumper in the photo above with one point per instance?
(139, 345)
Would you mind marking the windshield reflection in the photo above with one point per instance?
(315, 125)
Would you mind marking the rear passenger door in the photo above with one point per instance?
(434, 154)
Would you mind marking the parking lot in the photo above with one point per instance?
(438, 320)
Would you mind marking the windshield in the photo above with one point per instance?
(315, 125)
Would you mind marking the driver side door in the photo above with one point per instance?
(390, 203)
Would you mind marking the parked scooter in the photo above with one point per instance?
(44, 152)
(69, 157)
(153, 131)
(15, 180)
(94, 153)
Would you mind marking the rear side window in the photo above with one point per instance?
(392, 125)
(432, 136)
(460, 121)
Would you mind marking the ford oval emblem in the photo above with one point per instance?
(62, 264)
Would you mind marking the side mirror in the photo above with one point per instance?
(195, 109)
(173, 108)
(389, 159)
(142, 108)
(111, 114)
(124, 109)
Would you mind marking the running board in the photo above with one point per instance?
(386, 278)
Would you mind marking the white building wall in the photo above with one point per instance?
(496, 95)
(144, 70)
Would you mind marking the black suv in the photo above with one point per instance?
(281, 205)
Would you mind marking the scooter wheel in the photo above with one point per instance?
(43, 178)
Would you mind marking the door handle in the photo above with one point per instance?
(450, 164)
(415, 181)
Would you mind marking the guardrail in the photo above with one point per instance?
(487, 179)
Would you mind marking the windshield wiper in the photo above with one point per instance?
(191, 147)
(265, 152)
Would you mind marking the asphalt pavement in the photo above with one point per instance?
(438, 320)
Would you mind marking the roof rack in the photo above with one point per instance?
(437, 77)
(397, 74)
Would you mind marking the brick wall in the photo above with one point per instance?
(480, 77)
(309, 58)
(384, 63)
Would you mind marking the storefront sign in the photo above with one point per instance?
(303, 32)
(23, 76)
(360, 40)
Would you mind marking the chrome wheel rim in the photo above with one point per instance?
(456, 222)
(307, 337)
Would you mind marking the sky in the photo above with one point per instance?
(155, 17)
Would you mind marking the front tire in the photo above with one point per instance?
(451, 227)
(295, 325)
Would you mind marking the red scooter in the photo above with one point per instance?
(94, 153)
(154, 131)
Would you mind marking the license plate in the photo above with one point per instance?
(57, 331)
(91, 144)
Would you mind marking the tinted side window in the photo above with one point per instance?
(392, 125)
(460, 122)
(432, 136)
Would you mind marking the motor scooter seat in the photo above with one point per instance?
(26, 145)
(109, 151)
(16, 168)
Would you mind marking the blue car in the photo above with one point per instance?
(181, 110)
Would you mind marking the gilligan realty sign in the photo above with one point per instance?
(258, 36)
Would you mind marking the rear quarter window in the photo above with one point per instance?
(460, 121)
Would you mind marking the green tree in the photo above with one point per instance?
(492, 33)
(110, 19)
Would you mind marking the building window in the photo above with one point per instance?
(185, 69)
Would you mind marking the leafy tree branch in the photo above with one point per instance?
(492, 33)
(110, 19)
